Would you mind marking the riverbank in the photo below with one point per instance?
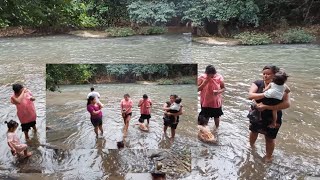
(288, 35)
(89, 33)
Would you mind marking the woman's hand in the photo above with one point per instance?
(261, 107)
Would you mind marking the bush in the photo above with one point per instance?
(252, 38)
(152, 30)
(165, 82)
(296, 35)
(120, 32)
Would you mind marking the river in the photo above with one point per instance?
(296, 155)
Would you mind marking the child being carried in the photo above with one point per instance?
(174, 108)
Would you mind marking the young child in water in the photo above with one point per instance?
(26, 111)
(13, 141)
(174, 108)
(274, 93)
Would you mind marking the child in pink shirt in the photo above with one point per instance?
(126, 111)
(211, 86)
(13, 141)
(26, 111)
(145, 106)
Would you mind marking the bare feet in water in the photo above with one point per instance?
(267, 159)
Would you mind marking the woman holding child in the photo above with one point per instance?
(171, 119)
(265, 125)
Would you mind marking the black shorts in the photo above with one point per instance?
(27, 126)
(143, 117)
(168, 121)
(262, 126)
(211, 112)
(96, 122)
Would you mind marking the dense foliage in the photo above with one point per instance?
(57, 74)
(212, 16)
(251, 38)
(294, 36)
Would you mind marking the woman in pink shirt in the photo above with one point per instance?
(26, 111)
(95, 114)
(145, 106)
(211, 86)
(126, 111)
(13, 141)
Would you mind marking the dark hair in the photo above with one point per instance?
(168, 103)
(158, 175)
(91, 98)
(145, 96)
(92, 88)
(120, 144)
(126, 95)
(174, 95)
(202, 120)
(280, 78)
(274, 69)
(17, 88)
(178, 100)
(11, 124)
(210, 70)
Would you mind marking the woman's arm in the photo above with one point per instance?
(221, 90)
(252, 93)
(176, 114)
(18, 100)
(283, 105)
(202, 83)
(140, 103)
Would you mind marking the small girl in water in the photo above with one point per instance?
(95, 114)
(13, 141)
(145, 106)
(26, 111)
(126, 111)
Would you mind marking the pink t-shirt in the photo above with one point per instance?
(127, 105)
(145, 106)
(91, 108)
(14, 140)
(207, 98)
(25, 109)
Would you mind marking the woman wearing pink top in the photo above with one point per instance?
(211, 86)
(126, 111)
(145, 105)
(26, 111)
(94, 109)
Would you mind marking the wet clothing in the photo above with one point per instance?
(261, 126)
(27, 126)
(145, 106)
(169, 120)
(143, 117)
(91, 108)
(14, 140)
(96, 122)
(126, 105)
(26, 111)
(207, 97)
(208, 113)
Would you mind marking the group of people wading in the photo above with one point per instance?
(172, 110)
(269, 96)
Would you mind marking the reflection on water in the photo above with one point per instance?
(71, 126)
(297, 150)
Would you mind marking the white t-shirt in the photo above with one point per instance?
(275, 91)
(95, 94)
(175, 106)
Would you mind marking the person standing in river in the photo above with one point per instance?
(126, 111)
(145, 105)
(23, 99)
(211, 87)
(95, 114)
(169, 117)
(263, 126)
